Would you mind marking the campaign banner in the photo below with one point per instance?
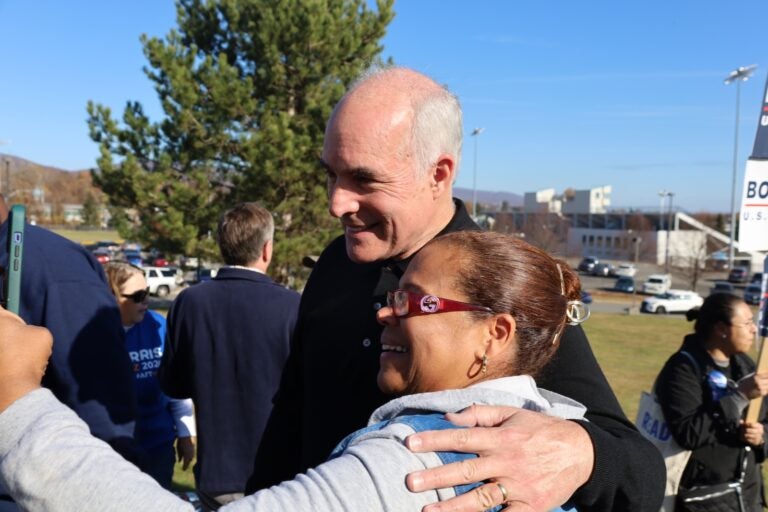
(760, 149)
(753, 219)
(762, 321)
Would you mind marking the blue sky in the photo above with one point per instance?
(571, 94)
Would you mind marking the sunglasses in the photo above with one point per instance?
(405, 303)
(138, 296)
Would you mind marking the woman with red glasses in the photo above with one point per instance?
(476, 316)
(160, 420)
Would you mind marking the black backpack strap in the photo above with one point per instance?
(694, 363)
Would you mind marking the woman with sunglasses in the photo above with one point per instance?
(477, 315)
(160, 420)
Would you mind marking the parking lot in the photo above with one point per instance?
(606, 300)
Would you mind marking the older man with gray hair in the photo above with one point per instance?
(391, 153)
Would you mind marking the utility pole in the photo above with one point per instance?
(669, 233)
(475, 133)
(739, 75)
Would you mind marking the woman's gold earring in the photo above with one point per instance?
(484, 367)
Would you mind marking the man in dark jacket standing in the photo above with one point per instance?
(64, 289)
(391, 152)
(228, 340)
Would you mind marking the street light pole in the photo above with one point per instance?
(669, 232)
(475, 133)
(739, 75)
(662, 195)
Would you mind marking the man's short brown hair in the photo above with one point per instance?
(242, 232)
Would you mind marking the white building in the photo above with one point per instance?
(630, 236)
(595, 200)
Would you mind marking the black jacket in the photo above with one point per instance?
(709, 427)
(329, 386)
(227, 342)
(65, 290)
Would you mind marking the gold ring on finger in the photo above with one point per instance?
(504, 493)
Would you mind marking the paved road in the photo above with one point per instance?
(606, 300)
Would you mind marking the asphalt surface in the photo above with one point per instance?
(607, 300)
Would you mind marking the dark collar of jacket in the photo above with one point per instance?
(226, 273)
(393, 270)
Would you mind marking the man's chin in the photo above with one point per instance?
(365, 253)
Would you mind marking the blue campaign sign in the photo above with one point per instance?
(760, 150)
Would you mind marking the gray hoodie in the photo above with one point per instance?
(50, 462)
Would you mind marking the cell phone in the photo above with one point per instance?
(15, 246)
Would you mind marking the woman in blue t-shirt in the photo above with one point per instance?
(160, 419)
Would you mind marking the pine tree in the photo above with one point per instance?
(91, 211)
(246, 87)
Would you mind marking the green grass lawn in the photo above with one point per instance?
(183, 480)
(631, 349)
(89, 236)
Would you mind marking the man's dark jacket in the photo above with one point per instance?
(329, 386)
(64, 289)
(228, 340)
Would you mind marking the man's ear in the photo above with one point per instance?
(266, 252)
(443, 175)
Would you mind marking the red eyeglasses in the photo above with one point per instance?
(405, 303)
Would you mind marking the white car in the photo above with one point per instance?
(672, 301)
(625, 269)
(657, 283)
(162, 280)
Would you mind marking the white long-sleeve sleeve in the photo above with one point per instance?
(183, 414)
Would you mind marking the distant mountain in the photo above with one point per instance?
(490, 200)
(32, 182)
(54, 185)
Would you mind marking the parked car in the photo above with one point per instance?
(738, 275)
(625, 269)
(624, 284)
(752, 293)
(673, 301)
(587, 264)
(156, 261)
(602, 269)
(109, 245)
(162, 281)
(657, 283)
(586, 297)
(189, 262)
(722, 287)
(757, 277)
(205, 274)
(102, 255)
(133, 257)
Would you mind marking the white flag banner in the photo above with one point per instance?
(753, 221)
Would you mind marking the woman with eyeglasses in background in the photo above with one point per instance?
(704, 390)
(161, 420)
(477, 315)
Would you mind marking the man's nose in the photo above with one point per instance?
(341, 201)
